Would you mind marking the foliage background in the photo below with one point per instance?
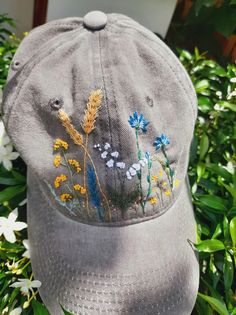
(212, 177)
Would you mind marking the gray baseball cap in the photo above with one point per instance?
(103, 114)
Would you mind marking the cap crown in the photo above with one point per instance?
(103, 118)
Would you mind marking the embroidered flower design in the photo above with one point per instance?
(161, 141)
(60, 144)
(80, 189)
(59, 179)
(138, 122)
(111, 155)
(65, 197)
(76, 164)
(57, 160)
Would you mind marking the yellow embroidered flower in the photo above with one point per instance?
(83, 190)
(77, 187)
(153, 200)
(164, 184)
(65, 197)
(80, 188)
(75, 164)
(59, 179)
(60, 144)
(57, 160)
(167, 192)
(161, 173)
(176, 182)
(154, 178)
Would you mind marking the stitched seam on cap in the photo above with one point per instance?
(106, 97)
(118, 117)
(28, 68)
(126, 31)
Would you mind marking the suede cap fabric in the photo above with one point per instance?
(103, 114)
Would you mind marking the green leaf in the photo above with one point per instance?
(228, 105)
(232, 229)
(65, 311)
(216, 304)
(226, 228)
(217, 231)
(205, 103)
(210, 246)
(10, 192)
(214, 202)
(201, 85)
(19, 176)
(219, 170)
(9, 181)
(228, 271)
(204, 146)
(39, 308)
(201, 167)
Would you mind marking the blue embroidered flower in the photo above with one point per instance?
(161, 141)
(138, 122)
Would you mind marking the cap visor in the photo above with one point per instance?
(142, 268)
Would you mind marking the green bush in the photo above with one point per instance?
(213, 183)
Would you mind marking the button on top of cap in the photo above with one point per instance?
(95, 20)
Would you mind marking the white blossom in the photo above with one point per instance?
(136, 166)
(25, 285)
(107, 146)
(104, 154)
(16, 311)
(128, 175)
(6, 149)
(110, 163)
(115, 154)
(27, 252)
(9, 225)
(120, 165)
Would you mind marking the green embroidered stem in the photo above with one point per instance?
(171, 172)
(149, 181)
(139, 173)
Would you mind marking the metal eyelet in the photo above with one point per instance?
(15, 65)
(56, 103)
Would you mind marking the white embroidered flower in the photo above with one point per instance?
(120, 165)
(132, 171)
(136, 166)
(9, 225)
(104, 154)
(25, 285)
(16, 311)
(27, 252)
(115, 154)
(107, 146)
(110, 163)
(128, 175)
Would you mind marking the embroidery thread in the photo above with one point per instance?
(76, 196)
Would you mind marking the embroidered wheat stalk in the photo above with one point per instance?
(70, 129)
(91, 111)
(88, 124)
(78, 139)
